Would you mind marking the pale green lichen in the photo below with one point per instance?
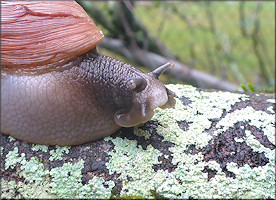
(33, 170)
(37, 147)
(203, 106)
(270, 109)
(13, 190)
(12, 159)
(135, 165)
(8, 189)
(11, 139)
(58, 152)
(141, 133)
(257, 182)
(271, 100)
(239, 139)
(260, 119)
(97, 188)
(67, 183)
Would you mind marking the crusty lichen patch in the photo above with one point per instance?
(20, 190)
(59, 182)
(67, 183)
(203, 107)
(137, 165)
(134, 167)
(142, 133)
(271, 100)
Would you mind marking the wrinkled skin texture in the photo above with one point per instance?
(56, 88)
(88, 98)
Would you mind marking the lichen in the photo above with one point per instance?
(271, 100)
(13, 190)
(67, 183)
(260, 119)
(141, 133)
(99, 188)
(37, 147)
(60, 182)
(135, 164)
(12, 159)
(33, 170)
(58, 152)
(12, 139)
(270, 109)
(258, 182)
(203, 107)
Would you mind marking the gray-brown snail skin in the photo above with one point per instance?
(56, 89)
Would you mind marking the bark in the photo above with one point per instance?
(213, 144)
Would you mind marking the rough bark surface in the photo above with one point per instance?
(212, 145)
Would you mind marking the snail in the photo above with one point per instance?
(56, 89)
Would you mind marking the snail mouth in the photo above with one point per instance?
(171, 100)
(142, 112)
(139, 113)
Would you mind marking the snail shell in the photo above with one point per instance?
(57, 89)
(39, 33)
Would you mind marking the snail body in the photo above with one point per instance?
(56, 89)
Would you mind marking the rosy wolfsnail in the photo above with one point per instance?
(57, 89)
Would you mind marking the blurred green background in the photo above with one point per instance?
(234, 41)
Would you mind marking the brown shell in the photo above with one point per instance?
(37, 33)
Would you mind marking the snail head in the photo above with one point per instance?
(149, 93)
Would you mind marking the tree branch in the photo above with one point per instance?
(180, 72)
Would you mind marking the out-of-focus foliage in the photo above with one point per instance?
(248, 88)
(232, 40)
